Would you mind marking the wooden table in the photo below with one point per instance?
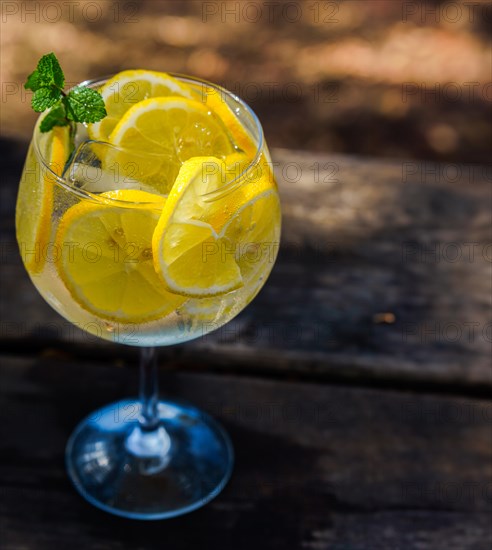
(356, 387)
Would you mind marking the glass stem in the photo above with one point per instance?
(148, 440)
(149, 388)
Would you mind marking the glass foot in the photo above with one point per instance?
(178, 465)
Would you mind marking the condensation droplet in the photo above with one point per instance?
(147, 254)
(109, 327)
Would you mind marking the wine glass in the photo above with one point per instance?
(85, 233)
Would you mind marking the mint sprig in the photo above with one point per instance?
(81, 104)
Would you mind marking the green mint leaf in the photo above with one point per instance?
(33, 82)
(48, 74)
(56, 117)
(50, 71)
(44, 98)
(84, 105)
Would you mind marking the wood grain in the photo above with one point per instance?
(384, 274)
(317, 467)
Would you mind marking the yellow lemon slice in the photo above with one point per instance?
(126, 89)
(216, 101)
(182, 239)
(157, 135)
(106, 257)
(240, 183)
(35, 200)
(254, 231)
(201, 245)
(191, 263)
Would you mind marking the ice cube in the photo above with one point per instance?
(96, 166)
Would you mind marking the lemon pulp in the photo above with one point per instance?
(106, 260)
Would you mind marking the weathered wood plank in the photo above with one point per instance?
(385, 271)
(317, 467)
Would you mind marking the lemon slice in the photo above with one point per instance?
(183, 242)
(126, 89)
(106, 260)
(192, 262)
(35, 201)
(255, 231)
(215, 100)
(240, 183)
(200, 246)
(157, 135)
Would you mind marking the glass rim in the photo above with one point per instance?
(228, 186)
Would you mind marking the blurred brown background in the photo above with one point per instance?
(371, 77)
